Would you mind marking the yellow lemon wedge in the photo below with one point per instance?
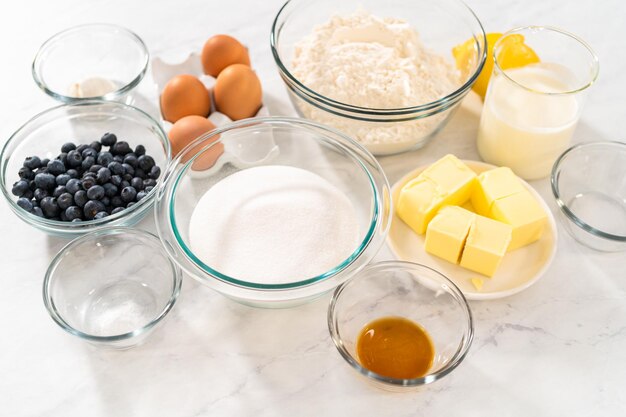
(515, 54)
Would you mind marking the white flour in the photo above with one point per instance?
(273, 224)
(373, 62)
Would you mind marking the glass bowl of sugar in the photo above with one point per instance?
(274, 211)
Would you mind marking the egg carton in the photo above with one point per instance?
(163, 71)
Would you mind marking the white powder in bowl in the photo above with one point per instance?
(272, 225)
(372, 62)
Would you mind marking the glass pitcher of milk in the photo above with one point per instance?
(530, 112)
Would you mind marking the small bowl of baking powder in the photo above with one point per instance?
(382, 73)
(308, 209)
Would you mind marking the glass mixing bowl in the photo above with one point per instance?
(111, 287)
(272, 141)
(411, 291)
(589, 186)
(441, 25)
(44, 134)
(93, 61)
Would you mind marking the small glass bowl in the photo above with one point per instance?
(111, 287)
(272, 141)
(412, 291)
(589, 186)
(441, 25)
(106, 61)
(44, 134)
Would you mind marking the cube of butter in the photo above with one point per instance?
(446, 182)
(485, 245)
(524, 214)
(492, 185)
(446, 233)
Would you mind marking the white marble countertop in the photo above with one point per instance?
(556, 349)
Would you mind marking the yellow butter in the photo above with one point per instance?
(446, 182)
(492, 185)
(478, 283)
(446, 233)
(524, 214)
(485, 245)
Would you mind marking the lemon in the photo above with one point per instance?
(513, 53)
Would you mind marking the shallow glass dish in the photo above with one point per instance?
(589, 185)
(93, 61)
(44, 134)
(414, 292)
(111, 287)
(441, 25)
(272, 141)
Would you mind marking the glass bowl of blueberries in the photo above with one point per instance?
(76, 168)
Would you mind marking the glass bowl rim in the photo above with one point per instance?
(454, 361)
(61, 226)
(594, 59)
(176, 278)
(482, 56)
(554, 185)
(289, 122)
(126, 33)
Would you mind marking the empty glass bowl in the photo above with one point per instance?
(272, 141)
(441, 25)
(589, 186)
(111, 287)
(414, 292)
(44, 134)
(93, 61)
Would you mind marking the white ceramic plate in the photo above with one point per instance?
(519, 268)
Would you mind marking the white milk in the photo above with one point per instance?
(527, 130)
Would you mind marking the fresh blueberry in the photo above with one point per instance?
(110, 190)
(89, 174)
(20, 187)
(100, 215)
(74, 159)
(49, 206)
(88, 182)
(89, 151)
(44, 162)
(116, 168)
(148, 189)
(32, 162)
(108, 139)
(60, 189)
(149, 183)
(127, 177)
(92, 207)
(73, 185)
(118, 158)
(68, 147)
(73, 212)
(95, 168)
(26, 173)
(140, 173)
(106, 201)
(56, 167)
(25, 204)
(63, 158)
(155, 172)
(121, 148)
(140, 150)
(37, 211)
(103, 176)
(87, 163)
(116, 180)
(104, 158)
(117, 210)
(72, 173)
(81, 148)
(116, 201)
(95, 193)
(145, 162)
(65, 200)
(137, 183)
(62, 216)
(129, 205)
(63, 179)
(141, 195)
(124, 184)
(29, 194)
(96, 145)
(128, 169)
(45, 180)
(131, 159)
(40, 193)
(80, 198)
(128, 194)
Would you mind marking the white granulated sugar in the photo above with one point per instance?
(372, 62)
(273, 224)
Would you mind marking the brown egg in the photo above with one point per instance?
(184, 95)
(221, 51)
(237, 92)
(185, 131)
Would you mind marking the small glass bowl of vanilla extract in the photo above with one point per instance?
(401, 325)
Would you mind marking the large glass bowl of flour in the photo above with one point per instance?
(383, 72)
(273, 212)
